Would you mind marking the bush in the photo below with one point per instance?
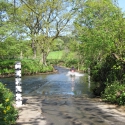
(47, 69)
(8, 113)
(29, 66)
(33, 67)
(109, 71)
(72, 62)
(114, 93)
(7, 67)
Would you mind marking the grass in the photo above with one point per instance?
(55, 55)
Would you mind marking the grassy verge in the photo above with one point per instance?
(57, 55)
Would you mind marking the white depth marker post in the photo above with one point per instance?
(18, 84)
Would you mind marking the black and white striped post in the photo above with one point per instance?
(18, 83)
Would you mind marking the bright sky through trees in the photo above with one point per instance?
(122, 4)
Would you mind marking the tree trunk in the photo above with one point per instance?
(34, 48)
(43, 58)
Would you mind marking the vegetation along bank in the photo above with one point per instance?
(88, 35)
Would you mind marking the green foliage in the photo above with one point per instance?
(8, 113)
(58, 45)
(7, 67)
(57, 15)
(83, 68)
(11, 48)
(6, 27)
(70, 63)
(100, 28)
(107, 72)
(70, 59)
(47, 69)
(30, 66)
(55, 57)
(114, 93)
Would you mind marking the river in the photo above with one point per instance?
(51, 84)
(67, 100)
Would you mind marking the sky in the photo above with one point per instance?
(122, 4)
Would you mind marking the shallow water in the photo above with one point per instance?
(64, 99)
(51, 84)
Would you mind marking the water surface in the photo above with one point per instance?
(64, 99)
(51, 84)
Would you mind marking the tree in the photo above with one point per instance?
(58, 44)
(44, 21)
(100, 28)
(11, 33)
(6, 26)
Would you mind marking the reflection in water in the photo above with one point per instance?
(52, 84)
(72, 83)
(59, 107)
(89, 82)
(89, 78)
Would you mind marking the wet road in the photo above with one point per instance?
(65, 100)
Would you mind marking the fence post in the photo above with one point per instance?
(18, 84)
